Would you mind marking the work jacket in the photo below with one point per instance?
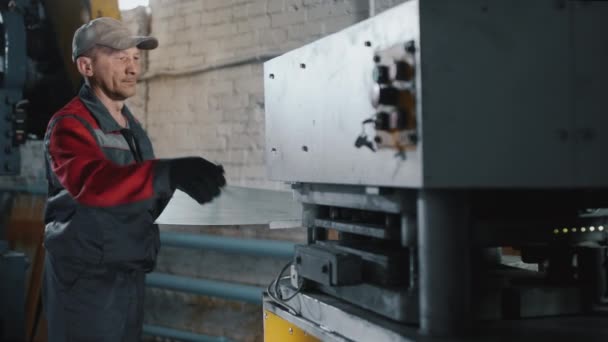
(105, 189)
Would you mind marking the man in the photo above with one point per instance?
(105, 191)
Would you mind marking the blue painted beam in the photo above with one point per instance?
(212, 288)
(155, 330)
(271, 248)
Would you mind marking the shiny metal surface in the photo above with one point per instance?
(235, 206)
(498, 104)
(316, 98)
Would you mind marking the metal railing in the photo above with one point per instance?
(212, 288)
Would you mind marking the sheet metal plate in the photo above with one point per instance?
(316, 99)
(235, 206)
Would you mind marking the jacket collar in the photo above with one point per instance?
(100, 112)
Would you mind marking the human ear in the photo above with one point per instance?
(85, 66)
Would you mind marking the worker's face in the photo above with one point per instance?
(115, 72)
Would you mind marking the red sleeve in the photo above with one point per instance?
(86, 173)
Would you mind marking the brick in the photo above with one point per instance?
(275, 6)
(237, 156)
(163, 12)
(222, 30)
(339, 23)
(221, 87)
(234, 73)
(256, 8)
(252, 85)
(203, 47)
(187, 62)
(192, 20)
(255, 157)
(240, 11)
(234, 115)
(238, 141)
(219, 16)
(236, 101)
(253, 23)
(177, 50)
(272, 37)
(209, 140)
(326, 10)
(209, 116)
(185, 8)
(176, 24)
(255, 171)
(287, 18)
(308, 30)
(245, 39)
(213, 4)
(293, 5)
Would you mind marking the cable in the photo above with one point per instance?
(276, 295)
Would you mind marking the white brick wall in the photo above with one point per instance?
(220, 114)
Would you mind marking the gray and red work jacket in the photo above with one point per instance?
(105, 190)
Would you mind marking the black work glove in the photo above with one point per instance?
(199, 178)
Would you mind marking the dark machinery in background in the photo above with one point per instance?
(36, 79)
(476, 125)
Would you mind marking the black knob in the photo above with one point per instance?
(382, 122)
(405, 72)
(410, 47)
(402, 120)
(381, 74)
(388, 96)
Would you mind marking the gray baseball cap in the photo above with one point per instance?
(108, 32)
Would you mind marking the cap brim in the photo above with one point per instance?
(146, 43)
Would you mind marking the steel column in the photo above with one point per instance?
(445, 265)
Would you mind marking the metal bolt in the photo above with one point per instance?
(265, 315)
(410, 47)
(413, 138)
(290, 331)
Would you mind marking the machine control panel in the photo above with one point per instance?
(393, 97)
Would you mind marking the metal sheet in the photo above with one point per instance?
(496, 94)
(503, 99)
(235, 206)
(590, 53)
(318, 97)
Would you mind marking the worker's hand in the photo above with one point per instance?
(199, 178)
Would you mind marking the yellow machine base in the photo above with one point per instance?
(276, 329)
